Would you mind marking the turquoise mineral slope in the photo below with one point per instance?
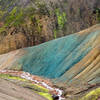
(54, 58)
(67, 58)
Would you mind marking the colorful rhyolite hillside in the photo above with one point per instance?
(68, 59)
(72, 63)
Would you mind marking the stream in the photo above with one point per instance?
(27, 76)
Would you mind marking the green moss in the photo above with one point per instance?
(46, 95)
(27, 84)
(36, 87)
(93, 95)
(7, 76)
(61, 18)
(30, 85)
(39, 90)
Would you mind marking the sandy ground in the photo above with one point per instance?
(11, 91)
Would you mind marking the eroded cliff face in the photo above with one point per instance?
(26, 23)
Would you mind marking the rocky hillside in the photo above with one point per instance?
(26, 23)
(71, 61)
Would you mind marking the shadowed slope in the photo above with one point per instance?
(76, 56)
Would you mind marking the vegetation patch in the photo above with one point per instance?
(55, 33)
(26, 84)
(61, 18)
(46, 95)
(15, 17)
(7, 76)
(93, 95)
(35, 87)
(39, 90)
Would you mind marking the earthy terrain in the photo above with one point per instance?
(11, 91)
(72, 62)
(25, 23)
(49, 49)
